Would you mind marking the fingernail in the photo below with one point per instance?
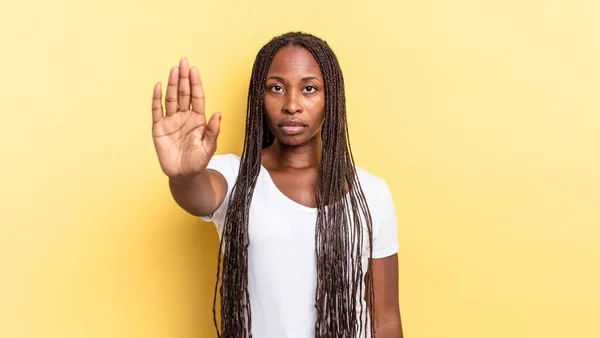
(219, 117)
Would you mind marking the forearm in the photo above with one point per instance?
(391, 329)
(195, 193)
(388, 323)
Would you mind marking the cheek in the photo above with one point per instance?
(268, 111)
(272, 104)
(319, 101)
(317, 105)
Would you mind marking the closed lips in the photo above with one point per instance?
(292, 124)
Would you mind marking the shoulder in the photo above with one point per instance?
(226, 157)
(376, 190)
(227, 164)
(371, 183)
(232, 160)
(383, 213)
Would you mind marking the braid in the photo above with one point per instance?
(339, 246)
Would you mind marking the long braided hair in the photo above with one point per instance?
(339, 246)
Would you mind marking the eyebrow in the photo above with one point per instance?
(280, 79)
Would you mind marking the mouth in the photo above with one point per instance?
(292, 130)
(292, 127)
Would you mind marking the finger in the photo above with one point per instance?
(157, 108)
(171, 98)
(197, 91)
(184, 85)
(213, 127)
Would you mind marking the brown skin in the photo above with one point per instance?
(294, 90)
(185, 141)
(387, 310)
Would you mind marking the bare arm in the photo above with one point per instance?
(185, 142)
(200, 194)
(387, 309)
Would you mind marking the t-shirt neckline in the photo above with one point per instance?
(288, 200)
(284, 197)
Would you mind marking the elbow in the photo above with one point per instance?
(389, 327)
(389, 331)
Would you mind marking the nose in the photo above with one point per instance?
(292, 104)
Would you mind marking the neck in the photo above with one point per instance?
(299, 157)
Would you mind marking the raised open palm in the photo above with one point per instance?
(184, 140)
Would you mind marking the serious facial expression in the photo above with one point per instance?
(294, 96)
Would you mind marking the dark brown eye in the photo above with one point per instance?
(310, 89)
(276, 88)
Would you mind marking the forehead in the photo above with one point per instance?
(292, 61)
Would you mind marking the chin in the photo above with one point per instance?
(292, 141)
(296, 140)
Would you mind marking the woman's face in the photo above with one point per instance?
(294, 96)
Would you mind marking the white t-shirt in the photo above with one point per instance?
(281, 255)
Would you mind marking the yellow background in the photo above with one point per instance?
(483, 116)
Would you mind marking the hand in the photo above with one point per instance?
(184, 141)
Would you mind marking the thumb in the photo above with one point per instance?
(213, 127)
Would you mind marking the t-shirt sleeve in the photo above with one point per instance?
(228, 166)
(385, 227)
